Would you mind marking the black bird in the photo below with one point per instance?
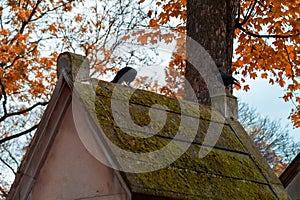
(228, 79)
(126, 74)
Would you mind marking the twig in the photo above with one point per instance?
(18, 134)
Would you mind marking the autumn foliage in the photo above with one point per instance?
(161, 18)
(268, 38)
(267, 43)
(32, 34)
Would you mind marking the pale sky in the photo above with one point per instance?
(266, 99)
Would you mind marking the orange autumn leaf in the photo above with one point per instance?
(153, 23)
(237, 87)
(246, 87)
(253, 75)
(78, 18)
(52, 28)
(281, 82)
(142, 39)
(288, 96)
(149, 14)
(126, 37)
(264, 75)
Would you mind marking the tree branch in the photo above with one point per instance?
(53, 9)
(262, 36)
(289, 59)
(7, 165)
(3, 93)
(30, 16)
(24, 23)
(18, 134)
(4, 192)
(22, 56)
(23, 111)
(10, 155)
(248, 14)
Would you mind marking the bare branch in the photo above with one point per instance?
(10, 155)
(269, 136)
(7, 165)
(44, 13)
(23, 111)
(18, 134)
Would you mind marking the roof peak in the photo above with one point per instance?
(73, 67)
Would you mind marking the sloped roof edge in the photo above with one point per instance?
(291, 171)
(27, 173)
(68, 65)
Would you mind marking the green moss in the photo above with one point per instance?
(148, 99)
(173, 182)
(140, 116)
(134, 144)
(216, 162)
(254, 152)
(220, 162)
(229, 140)
(232, 170)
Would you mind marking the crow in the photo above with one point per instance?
(228, 79)
(126, 74)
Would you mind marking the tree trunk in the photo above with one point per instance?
(211, 24)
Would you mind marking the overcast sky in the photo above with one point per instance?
(266, 99)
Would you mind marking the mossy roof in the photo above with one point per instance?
(234, 168)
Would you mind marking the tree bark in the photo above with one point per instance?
(211, 24)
